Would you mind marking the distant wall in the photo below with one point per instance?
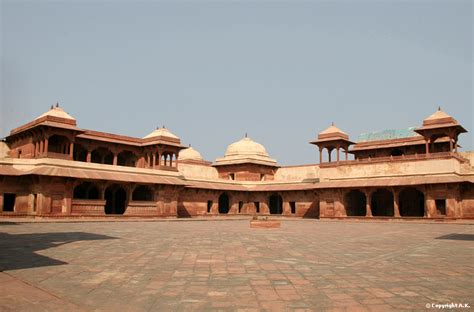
(4, 150)
(297, 173)
(198, 171)
(428, 167)
(468, 155)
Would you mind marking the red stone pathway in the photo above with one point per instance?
(306, 265)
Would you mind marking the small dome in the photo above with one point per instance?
(57, 111)
(189, 154)
(246, 146)
(332, 133)
(332, 129)
(439, 114)
(439, 118)
(163, 132)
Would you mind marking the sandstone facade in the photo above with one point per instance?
(49, 167)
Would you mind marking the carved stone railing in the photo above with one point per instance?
(55, 155)
(88, 206)
(141, 208)
(442, 155)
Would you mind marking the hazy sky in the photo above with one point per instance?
(211, 71)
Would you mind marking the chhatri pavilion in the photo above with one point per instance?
(49, 167)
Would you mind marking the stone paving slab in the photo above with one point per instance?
(227, 266)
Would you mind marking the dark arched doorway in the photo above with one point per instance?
(142, 193)
(224, 203)
(356, 203)
(86, 190)
(276, 204)
(115, 200)
(412, 203)
(382, 203)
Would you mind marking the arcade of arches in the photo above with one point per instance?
(383, 202)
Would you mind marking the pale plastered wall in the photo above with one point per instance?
(198, 172)
(297, 173)
(392, 169)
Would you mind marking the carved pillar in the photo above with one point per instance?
(320, 155)
(89, 156)
(154, 160)
(115, 161)
(347, 153)
(71, 150)
(329, 154)
(46, 142)
(427, 146)
(286, 208)
(337, 154)
(396, 203)
(368, 206)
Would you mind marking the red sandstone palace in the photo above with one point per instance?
(49, 167)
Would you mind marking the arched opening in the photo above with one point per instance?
(86, 190)
(356, 203)
(412, 203)
(80, 192)
(102, 155)
(80, 153)
(126, 158)
(115, 200)
(382, 203)
(9, 202)
(224, 203)
(58, 144)
(276, 204)
(142, 193)
(396, 152)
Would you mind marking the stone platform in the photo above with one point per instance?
(306, 265)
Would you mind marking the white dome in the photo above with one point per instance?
(246, 151)
(161, 132)
(57, 111)
(246, 146)
(189, 154)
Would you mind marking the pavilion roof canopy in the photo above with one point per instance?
(332, 134)
(440, 120)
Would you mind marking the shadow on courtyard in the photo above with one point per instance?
(455, 236)
(18, 251)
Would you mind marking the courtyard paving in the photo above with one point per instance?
(306, 265)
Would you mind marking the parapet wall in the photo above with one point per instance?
(297, 173)
(390, 169)
(4, 150)
(198, 172)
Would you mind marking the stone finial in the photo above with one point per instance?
(57, 104)
(439, 108)
(246, 134)
(332, 123)
(52, 106)
(189, 145)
